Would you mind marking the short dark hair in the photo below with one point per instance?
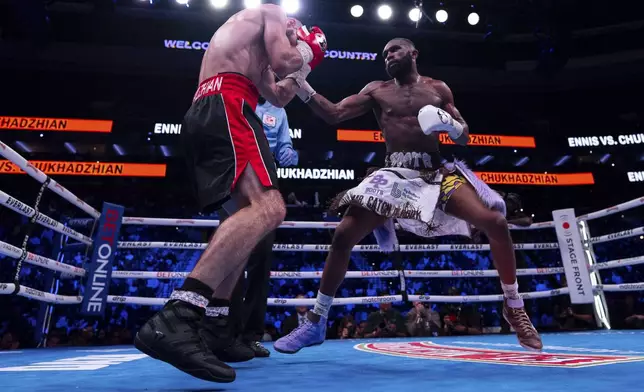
(406, 41)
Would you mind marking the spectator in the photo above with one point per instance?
(422, 321)
(461, 319)
(387, 322)
(295, 319)
(8, 342)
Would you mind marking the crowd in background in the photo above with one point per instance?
(18, 320)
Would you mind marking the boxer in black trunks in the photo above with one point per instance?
(231, 165)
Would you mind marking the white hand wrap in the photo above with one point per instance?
(305, 92)
(300, 75)
(305, 51)
(433, 119)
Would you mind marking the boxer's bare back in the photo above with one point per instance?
(255, 43)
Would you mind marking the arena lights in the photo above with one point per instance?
(473, 19)
(357, 11)
(291, 6)
(183, 2)
(252, 3)
(219, 3)
(415, 14)
(441, 16)
(385, 12)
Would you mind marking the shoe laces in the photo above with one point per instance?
(302, 326)
(523, 321)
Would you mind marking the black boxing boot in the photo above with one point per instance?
(220, 335)
(259, 349)
(176, 335)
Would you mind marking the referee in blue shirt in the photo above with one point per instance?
(248, 302)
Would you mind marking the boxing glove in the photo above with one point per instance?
(316, 41)
(433, 119)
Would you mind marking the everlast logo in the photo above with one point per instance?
(625, 233)
(183, 245)
(632, 286)
(368, 247)
(288, 247)
(286, 274)
(555, 292)
(322, 247)
(33, 292)
(420, 247)
(47, 221)
(547, 245)
(468, 273)
(279, 301)
(119, 299)
(518, 246)
(19, 206)
(466, 247)
(130, 244)
(575, 266)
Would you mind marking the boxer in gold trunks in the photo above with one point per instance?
(411, 109)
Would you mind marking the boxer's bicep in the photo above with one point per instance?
(350, 107)
(448, 106)
(282, 56)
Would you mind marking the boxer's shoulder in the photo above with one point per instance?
(372, 86)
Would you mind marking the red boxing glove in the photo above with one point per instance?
(316, 40)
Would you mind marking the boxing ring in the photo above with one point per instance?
(590, 361)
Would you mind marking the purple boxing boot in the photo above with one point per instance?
(306, 334)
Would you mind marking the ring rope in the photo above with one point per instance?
(38, 217)
(326, 248)
(182, 222)
(28, 292)
(34, 259)
(41, 177)
(612, 210)
(617, 236)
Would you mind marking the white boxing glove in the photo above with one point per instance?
(433, 119)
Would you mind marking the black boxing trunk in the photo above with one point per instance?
(221, 136)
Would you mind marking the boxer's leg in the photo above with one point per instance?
(464, 203)
(224, 259)
(355, 225)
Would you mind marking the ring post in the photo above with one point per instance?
(575, 263)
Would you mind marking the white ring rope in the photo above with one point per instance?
(28, 292)
(612, 210)
(620, 263)
(24, 210)
(618, 236)
(16, 253)
(41, 177)
(326, 248)
(166, 275)
(135, 220)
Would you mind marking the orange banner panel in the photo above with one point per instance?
(55, 124)
(536, 178)
(89, 169)
(351, 135)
